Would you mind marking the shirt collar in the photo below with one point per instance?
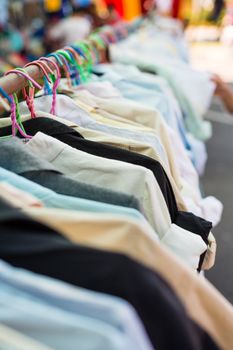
(18, 158)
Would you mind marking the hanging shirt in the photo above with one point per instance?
(114, 311)
(54, 327)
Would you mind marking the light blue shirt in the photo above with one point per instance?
(192, 89)
(153, 91)
(148, 89)
(54, 327)
(52, 199)
(138, 86)
(78, 301)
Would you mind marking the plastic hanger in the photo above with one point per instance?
(5, 105)
(94, 49)
(99, 46)
(85, 60)
(15, 114)
(10, 101)
(79, 51)
(98, 39)
(79, 60)
(49, 76)
(47, 80)
(64, 65)
(73, 65)
(89, 60)
(56, 82)
(29, 96)
(75, 70)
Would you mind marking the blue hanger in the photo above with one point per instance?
(4, 94)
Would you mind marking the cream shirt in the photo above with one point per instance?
(132, 117)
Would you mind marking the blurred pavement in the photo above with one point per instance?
(218, 178)
(218, 181)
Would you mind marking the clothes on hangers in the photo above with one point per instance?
(52, 255)
(103, 228)
(189, 184)
(112, 310)
(192, 89)
(55, 327)
(61, 132)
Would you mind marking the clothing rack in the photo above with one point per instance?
(14, 82)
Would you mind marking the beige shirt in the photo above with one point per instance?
(204, 304)
(124, 121)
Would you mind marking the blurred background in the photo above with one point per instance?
(33, 28)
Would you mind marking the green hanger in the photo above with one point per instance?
(70, 58)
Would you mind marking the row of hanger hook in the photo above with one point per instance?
(74, 61)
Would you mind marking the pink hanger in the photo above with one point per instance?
(15, 124)
(56, 83)
(75, 54)
(49, 60)
(41, 66)
(29, 98)
(14, 107)
(26, 76)
(63, 63)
